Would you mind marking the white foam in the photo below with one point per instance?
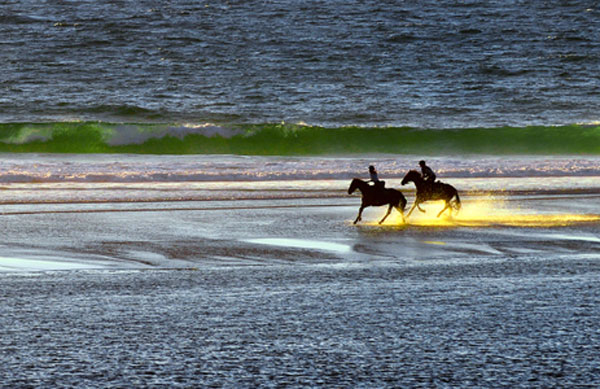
(466, 173)
(130, 134)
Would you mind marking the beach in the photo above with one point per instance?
(268, 283)
(174, 200)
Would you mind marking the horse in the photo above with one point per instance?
(373, 196)
(436, 191)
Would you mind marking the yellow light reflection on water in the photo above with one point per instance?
(488, 212)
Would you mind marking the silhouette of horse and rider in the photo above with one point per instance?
(376, 195)
(428, 189)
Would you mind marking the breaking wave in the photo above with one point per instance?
(293, 139)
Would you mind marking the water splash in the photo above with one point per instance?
(490, 212)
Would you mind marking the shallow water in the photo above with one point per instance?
(268, 283)
(515, 322)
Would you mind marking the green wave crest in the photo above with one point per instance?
(293, 139)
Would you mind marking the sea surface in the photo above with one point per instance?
(425, 64)
(174, 193)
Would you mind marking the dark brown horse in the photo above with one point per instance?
(428, 192)
(373, 196)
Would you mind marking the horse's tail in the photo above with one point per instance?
(402, 201)
(457, 203)
(398, 200)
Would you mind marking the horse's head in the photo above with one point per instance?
(354, 185)
(411, 176)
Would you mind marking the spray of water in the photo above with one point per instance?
(489, 212)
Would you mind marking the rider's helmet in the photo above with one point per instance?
(421, 163)
(371, 168)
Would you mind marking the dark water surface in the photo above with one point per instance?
(262, 293)
(392, 306)
(421, 63)
(520, 324)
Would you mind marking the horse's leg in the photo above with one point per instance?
(456, 206)
(387, 214)
(445, 208)
(412, 208)
(359, 217)
(401, 214)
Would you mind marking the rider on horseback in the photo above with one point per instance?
(375, 179)
(427, 174)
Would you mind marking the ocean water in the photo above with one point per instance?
(423, 64)
(174, 206)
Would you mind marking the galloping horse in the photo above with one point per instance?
(372, 196)
(425, 192)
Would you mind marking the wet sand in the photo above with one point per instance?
(283, 229)
(289, 292)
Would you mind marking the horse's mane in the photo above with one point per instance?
(413, 172)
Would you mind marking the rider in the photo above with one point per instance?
(427, 174)
(374, 178)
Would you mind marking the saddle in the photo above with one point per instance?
(378, 186)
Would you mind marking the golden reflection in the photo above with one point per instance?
(489, 212)
(434, 242)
